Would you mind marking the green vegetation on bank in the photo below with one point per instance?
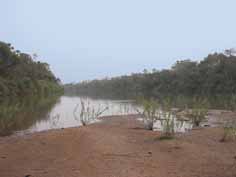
(21, 76)
(213, 79)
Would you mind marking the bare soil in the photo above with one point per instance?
(117, 147)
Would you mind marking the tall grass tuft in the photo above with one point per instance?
(198, 112)
(154, 111)
(168, 121)
(150, 112)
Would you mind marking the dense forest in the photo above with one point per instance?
(21, 75)
(213, 78)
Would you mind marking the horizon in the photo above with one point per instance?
(93, 40)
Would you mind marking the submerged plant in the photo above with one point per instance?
(55, 120)
(198, 112)
(88, 112)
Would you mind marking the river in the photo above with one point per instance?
(40, 115)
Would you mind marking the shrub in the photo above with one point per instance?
(229, 131)
(150, 112)
(88, 112)
(154, 111)
(198, 112)
(168, 124)
(168, 120)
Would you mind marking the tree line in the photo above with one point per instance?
(21, 76)
(213, 78)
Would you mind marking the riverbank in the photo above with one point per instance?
(117, 147)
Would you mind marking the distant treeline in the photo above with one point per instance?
(21, 76)
(213, 78)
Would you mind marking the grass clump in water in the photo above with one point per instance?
(198, 112)
(88, 112)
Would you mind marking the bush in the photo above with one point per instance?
(229, 131)
(87, 112)
(198, 112)
(168, 123)
(150, 112)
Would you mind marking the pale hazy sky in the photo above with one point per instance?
(87, 39)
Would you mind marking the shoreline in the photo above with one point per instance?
(216, 118)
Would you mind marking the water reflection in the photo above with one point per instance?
(34, 114)
(179, 126)
(62, 115)
(18, 116)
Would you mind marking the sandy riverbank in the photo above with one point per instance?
(117, 147)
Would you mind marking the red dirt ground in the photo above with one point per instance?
(117, 147)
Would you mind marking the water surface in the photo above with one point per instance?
(39, 115)
(35, 115)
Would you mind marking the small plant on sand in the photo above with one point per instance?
(88, 112)
(150, 112)
(198, 112)
(168, 124)
(154, 112)
(229, 131)
(167, 121)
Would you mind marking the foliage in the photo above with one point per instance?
(21, 76)
(213, 78)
